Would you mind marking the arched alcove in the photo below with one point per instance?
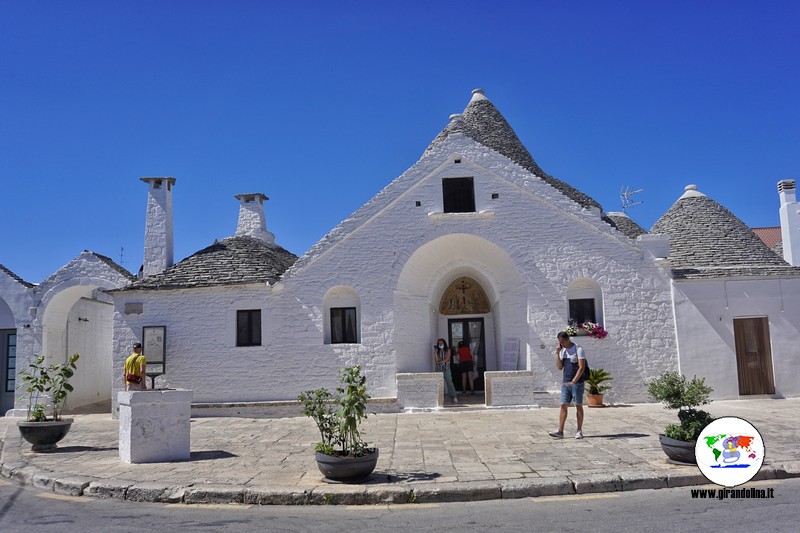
(585, 301)
(425, 280)
(76, 321)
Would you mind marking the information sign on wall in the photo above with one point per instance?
(510, 353)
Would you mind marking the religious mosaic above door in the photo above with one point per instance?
(464, 296)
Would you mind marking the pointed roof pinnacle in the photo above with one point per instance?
(691, 192)
(483, 123)
(477, 95)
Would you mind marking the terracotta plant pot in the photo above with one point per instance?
(44, 435)
(595, 400)
(347, 469)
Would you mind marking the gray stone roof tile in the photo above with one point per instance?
(482, 122)
(15, 277)
(232, 261)
(708, 241)
(113, 264)
(625, 224)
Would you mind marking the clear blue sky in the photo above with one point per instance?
(319, 105)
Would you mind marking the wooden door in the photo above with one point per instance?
(753, 356)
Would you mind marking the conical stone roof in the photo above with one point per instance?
(483, 123)
(232, 261)
(708, 241)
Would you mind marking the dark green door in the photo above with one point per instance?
(8, 368)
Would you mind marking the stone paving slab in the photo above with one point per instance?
(441, 456)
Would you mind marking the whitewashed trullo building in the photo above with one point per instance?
(473, 242)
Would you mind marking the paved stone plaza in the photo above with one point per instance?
(453, 455)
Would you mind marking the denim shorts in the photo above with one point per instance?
(572, 392)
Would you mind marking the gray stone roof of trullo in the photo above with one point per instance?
(708, 241)
(233, 261)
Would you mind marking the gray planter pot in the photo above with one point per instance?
(44, 435)
(678, 451)
(347, 469)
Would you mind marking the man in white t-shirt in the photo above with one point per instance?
(572, 360)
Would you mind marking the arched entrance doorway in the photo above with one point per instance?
(78, 319)
(431, 273)
(465, 305)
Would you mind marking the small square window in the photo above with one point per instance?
(458, 195)
(495, 196)
(248, 327)
(582, 310)
(343, 325)
(418, 203)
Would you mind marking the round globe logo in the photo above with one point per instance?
(729, 451)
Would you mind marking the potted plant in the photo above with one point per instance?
(341, 455)
(595, 380)
(676, 392)
(43, 382)
(589, 329)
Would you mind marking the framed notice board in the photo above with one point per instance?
(154, 345)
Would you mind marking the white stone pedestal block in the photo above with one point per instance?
(154, 425)
(423, 390)
(509, 388)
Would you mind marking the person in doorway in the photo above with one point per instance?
(134, 371)
(441, 360)
(572, 360)
(466, 364)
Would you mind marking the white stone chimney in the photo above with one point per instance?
(790, 221)
(158, 240)
(655, 244)
(252, 222)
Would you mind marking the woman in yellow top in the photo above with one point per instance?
(133, 373)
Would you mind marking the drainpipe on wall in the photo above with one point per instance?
(790, 222)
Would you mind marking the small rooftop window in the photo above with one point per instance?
(458, 195)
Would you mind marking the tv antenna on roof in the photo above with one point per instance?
(625, 196)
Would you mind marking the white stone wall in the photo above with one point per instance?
(18, 300)
(201, 351)
(704, 316)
